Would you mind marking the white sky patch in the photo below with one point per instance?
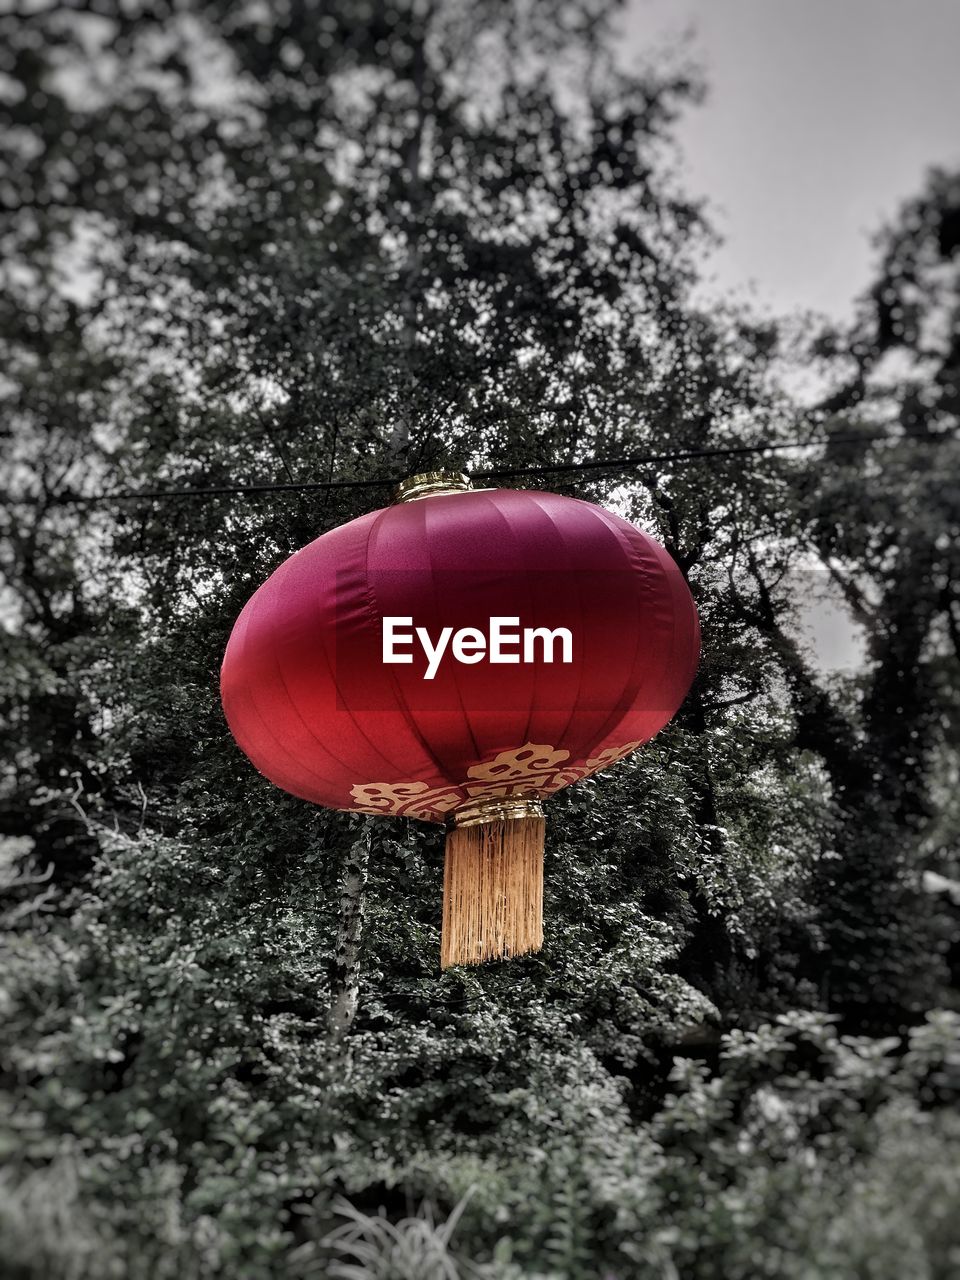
(828, 630)
(821, 117)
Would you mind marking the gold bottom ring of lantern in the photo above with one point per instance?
(493, 880)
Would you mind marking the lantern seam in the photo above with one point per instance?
(670, 571)
(456, 683)
(351, 768)
(285, 751)
(663, 573)
(376, 615)
(243, 741)
(580, 666)
(301, 768)
(608, 728)
(525, 736)
(310, 732)
(348, 767)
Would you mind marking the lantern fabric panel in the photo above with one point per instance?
(278, 682)
(324, 716)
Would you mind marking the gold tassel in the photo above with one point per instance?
(493, 881)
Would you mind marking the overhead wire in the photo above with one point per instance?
(498, 473)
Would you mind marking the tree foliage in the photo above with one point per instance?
(299, 242)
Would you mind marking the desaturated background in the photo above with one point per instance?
(276, 242)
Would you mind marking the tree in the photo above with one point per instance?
(340, 241)
(881, 516)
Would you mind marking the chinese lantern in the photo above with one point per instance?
(456, 658)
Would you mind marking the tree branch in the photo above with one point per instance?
(346, 977)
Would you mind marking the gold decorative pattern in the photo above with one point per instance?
(515, 772)
(405, 799)
(533, 770)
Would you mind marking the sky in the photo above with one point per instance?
(822, 116)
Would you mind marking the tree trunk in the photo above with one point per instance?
(708, 958)
(346, 973)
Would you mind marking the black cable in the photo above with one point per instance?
(719, 451)
(611, 464)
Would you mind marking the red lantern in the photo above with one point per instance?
(456, 658)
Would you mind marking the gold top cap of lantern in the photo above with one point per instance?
(431, 484)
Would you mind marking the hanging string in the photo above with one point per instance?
(502, 473)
